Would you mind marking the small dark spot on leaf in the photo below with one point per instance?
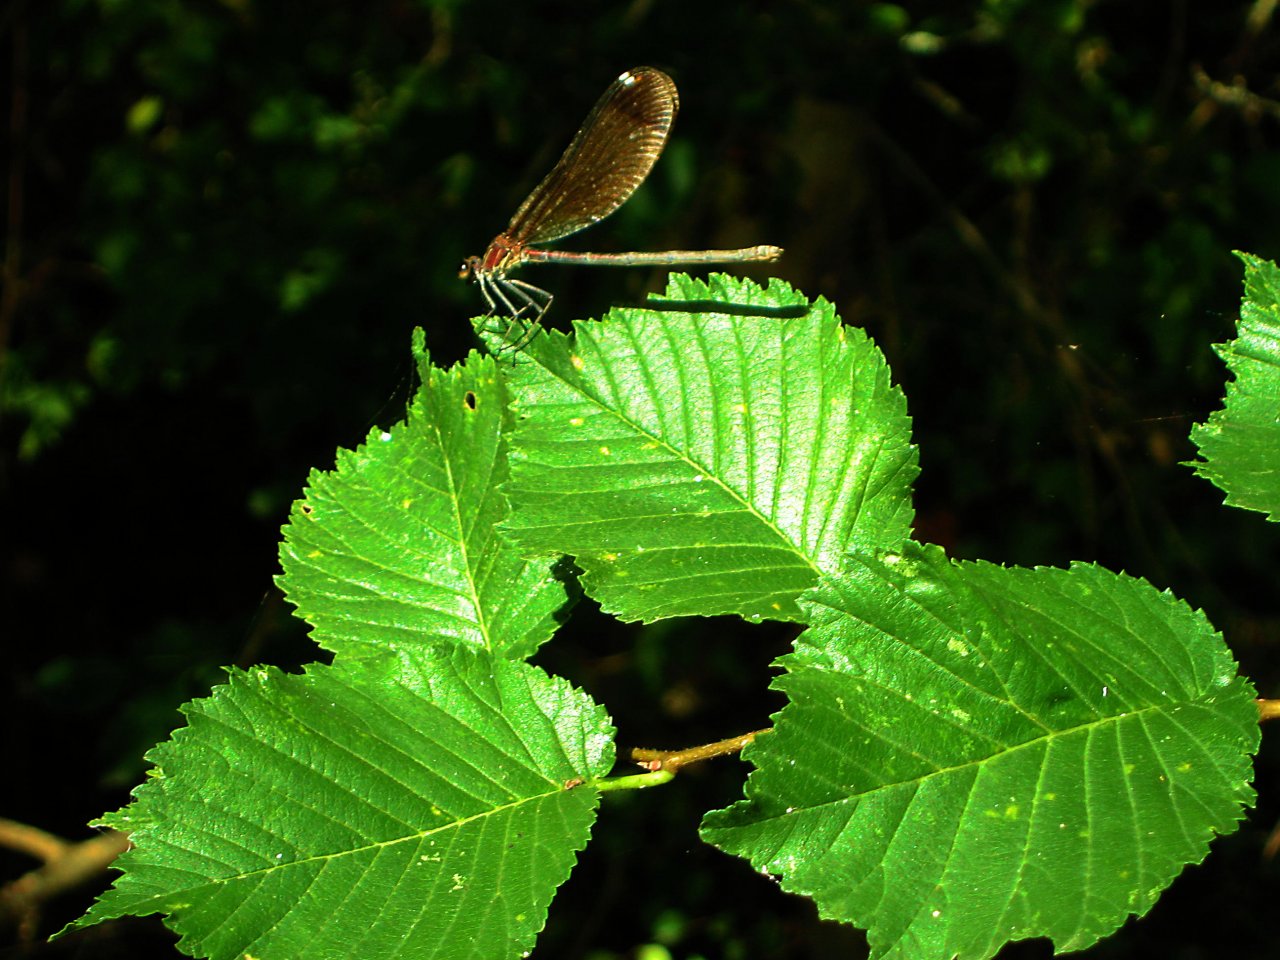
(470, 400)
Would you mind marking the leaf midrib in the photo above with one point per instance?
(383, 844)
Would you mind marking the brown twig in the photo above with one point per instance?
(654, 760)
(1272, 846)
(1235, 95)
(65, 865)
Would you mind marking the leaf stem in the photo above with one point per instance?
(675, 759)
(636, 782)
(1268, 709)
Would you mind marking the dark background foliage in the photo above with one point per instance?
(224, 217)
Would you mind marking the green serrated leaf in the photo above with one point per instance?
(973, 755)
(1240, 443)
(713, 454)
(398, 543)
(411, 805)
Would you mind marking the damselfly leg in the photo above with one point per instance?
(522, 320)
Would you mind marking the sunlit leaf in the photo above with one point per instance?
(973, 755)
(1240, 443)
(400, 806)
(714, 453)
(398, 543)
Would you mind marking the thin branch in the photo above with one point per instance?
(673, 760)
(66, 865)
(30, 840)
(1235, 96)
